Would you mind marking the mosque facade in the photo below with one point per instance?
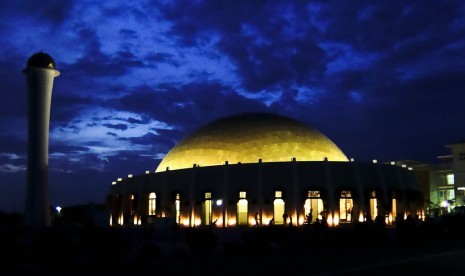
(259, 169)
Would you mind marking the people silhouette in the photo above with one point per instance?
(310, 216)
(285, 216)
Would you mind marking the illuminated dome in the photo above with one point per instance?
(248, 137)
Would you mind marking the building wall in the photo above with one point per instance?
(458, 167)
(261, 182)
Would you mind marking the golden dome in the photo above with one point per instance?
(248, 137)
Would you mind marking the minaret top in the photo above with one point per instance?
(41, 60)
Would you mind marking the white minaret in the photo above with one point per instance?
(40, 72)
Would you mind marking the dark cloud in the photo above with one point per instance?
(117, 126)
(128, 34)
(152, 59)
(57, 147)
(13, 144)
(187, 106)
(96, 63)
(271, 50)
(51, 11)
(13, 89)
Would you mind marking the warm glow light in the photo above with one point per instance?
(360, 217)
(390, 218)
(197, 222)
(232, 221)
(336, 219)
(266, 219)
(219, 221)
(185, 222)
(301, 220)
(135, 220)
(120, 219)
(330, 220)
(111, 220)
(251, 220)
(405, 215)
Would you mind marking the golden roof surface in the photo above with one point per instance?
(248, 137)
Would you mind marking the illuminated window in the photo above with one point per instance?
(450, 194)
(312, 194)
(313, 206)
(207, 209)
(177, 204)
(242, 210)
(152, 204)
(373, 205)
(394, 205)
(278, 208)
(345, 206)
(450, 179)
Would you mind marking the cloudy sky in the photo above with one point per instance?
(382, 80)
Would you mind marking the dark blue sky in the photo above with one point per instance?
(382, 80)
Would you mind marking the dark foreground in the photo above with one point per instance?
(434, 246)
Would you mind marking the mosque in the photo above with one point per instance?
(260, 169)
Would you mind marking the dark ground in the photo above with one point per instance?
(430, 247)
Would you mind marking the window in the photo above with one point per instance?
(177, 203)
(394, 205)
(278, 208)
(207, 209)
(152, 204)
(345, 206)
(373, 205)
(462, 156)
(450, 179)
(313, 206)
(450, 194)
(242, 209)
